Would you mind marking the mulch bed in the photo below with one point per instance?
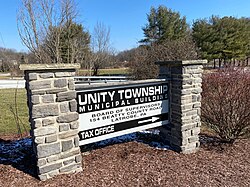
(139, 164)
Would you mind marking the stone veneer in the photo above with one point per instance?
(53, 118)
(185, 79)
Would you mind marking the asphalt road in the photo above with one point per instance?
(12, 84)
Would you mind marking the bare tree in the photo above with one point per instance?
(101, 47)
(9, 59)
(142, 64)
(41, 25)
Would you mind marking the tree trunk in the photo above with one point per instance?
(95, 71)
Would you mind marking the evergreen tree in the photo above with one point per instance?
(74, 43)
(164, 24)
(224, 38)
(167, 37)
(206, 38)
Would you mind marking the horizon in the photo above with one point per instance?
(130, 17)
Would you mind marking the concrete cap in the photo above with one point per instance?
(37, 67)
(181, 62)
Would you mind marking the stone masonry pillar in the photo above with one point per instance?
(185, 79)
(54, 121)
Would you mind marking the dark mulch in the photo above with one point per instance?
(139, 164)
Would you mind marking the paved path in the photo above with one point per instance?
(12, 84)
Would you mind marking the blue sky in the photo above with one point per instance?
(124, 17)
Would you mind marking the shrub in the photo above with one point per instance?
(142, 64)
(226, 103)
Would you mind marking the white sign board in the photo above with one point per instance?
(114, 111)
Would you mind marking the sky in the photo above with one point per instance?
(125, 18)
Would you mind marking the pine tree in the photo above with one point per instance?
(71, 43)
(74, 43)
(224, 38)
(164, 24)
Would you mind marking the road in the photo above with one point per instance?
(20, 83)
(12, 84)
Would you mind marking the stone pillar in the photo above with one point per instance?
(185, 79)
(54, 121)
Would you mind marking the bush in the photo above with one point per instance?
(226, 103)
(142, 64)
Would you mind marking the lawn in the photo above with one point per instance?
(8, 111)
(117, 71)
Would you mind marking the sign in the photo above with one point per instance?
(114, 111)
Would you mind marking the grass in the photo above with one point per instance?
(4, 77)
(8, 123)
(115, 71)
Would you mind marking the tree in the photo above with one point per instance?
(167, 37)
(222, 38)
(235, 37)
(74, 43)
(101, 47)
(164, 24)
(9, 59)
(46, 28)
(141, 66)
(124, 58)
